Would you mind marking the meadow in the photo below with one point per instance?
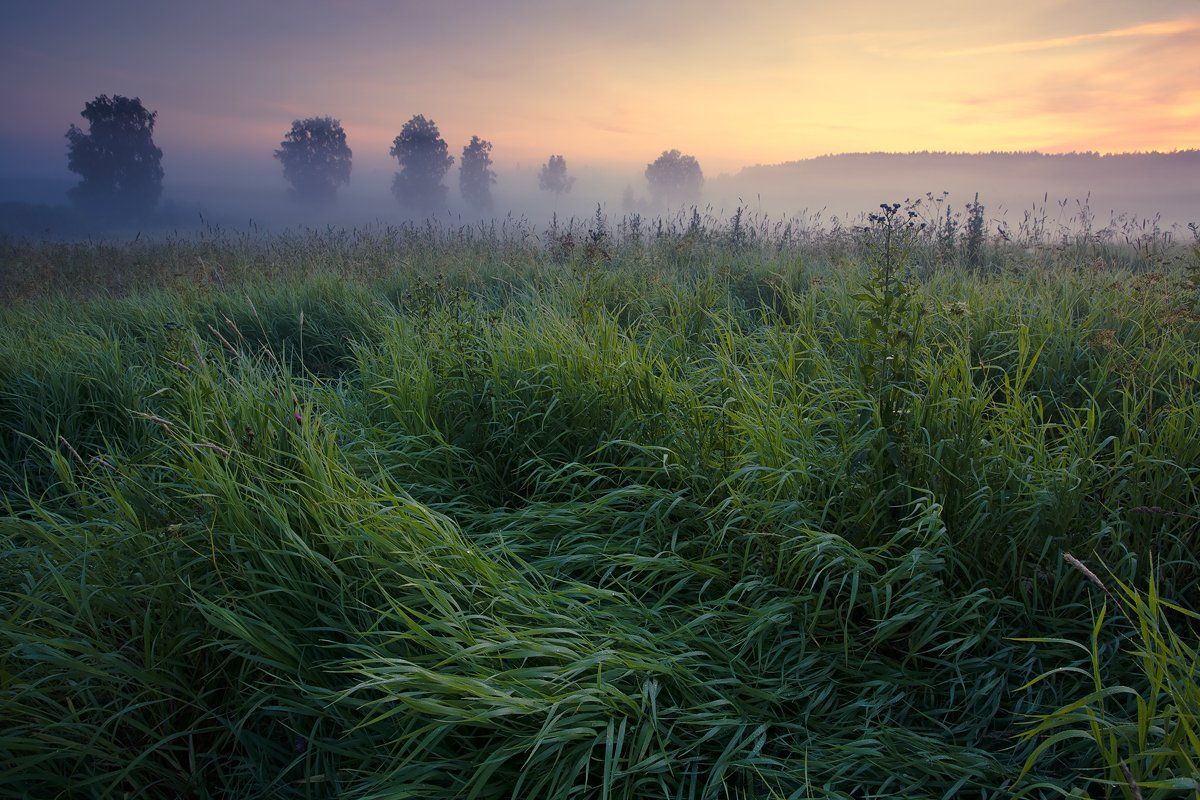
(697, 508)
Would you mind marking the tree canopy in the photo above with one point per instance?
(116, 159)
(315, 158)
(554, 177)
(674, 178)
(424, 161)
(475, 174)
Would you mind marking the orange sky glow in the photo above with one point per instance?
(606, 84)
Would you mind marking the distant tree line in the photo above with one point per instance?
(120, 168)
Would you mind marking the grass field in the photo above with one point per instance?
(695, 511)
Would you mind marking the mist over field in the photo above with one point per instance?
(1112, 189)
(788, 109)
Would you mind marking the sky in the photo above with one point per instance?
(605, 83)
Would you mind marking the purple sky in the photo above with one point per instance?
(607, 84)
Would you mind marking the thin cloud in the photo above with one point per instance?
(1148, 30)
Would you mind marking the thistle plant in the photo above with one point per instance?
(891, 313)
(975, 234)
(946, 237)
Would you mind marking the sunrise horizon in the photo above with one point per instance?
(774, 82)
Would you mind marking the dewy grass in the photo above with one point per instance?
(455, 514)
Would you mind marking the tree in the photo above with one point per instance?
(674, 178)
(554, 177)
(315, 158)
(424, 161)
(475, 174)
(119, 166)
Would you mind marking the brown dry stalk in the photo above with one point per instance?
(211, 446)
(232, 350)
(166, 423)
(1091, 576)
(1133, 787)
(1161, 512)
(70, 449)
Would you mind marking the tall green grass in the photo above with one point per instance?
(1146, 731)
(490, 517)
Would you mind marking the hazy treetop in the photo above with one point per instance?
(424, 160)
(475, 174)
(675, 178)
(116, 158)
(553, 176)
(316, 158)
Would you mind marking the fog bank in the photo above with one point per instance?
(1162, 186)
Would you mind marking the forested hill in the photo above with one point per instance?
(1141, 184)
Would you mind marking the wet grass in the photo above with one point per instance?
(621, 518)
